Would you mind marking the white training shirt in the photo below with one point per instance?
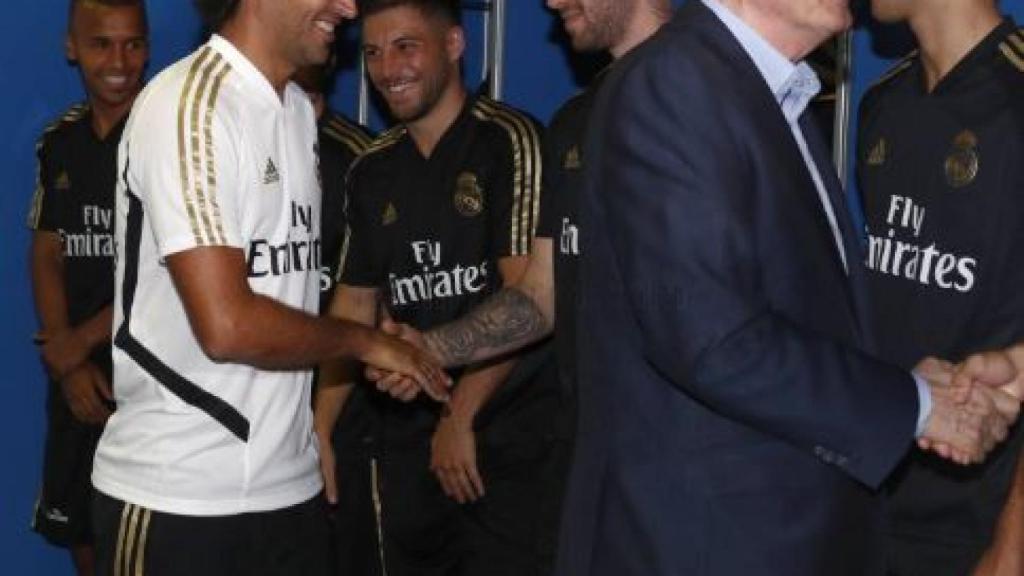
(211, 156)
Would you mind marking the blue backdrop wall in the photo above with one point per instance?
(38, 85)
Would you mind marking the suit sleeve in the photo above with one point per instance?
(678, 207)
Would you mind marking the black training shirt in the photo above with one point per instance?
(942, 176)
(428, 232)
(559, 218)
(340, 141)
(74, 198)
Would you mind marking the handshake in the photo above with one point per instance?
(974, 403)
(407, 365)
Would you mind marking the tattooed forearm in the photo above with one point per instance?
(506, 321)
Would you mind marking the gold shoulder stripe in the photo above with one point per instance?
(73, 114)
(195, 144)
(902, 66)
(347, 135)
(211, 167)
(182, 159)
(527, 169)
(351, 133)
(385, 140)
(1014, 57)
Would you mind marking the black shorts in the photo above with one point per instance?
(62, 513)
(510, 532)
(132, 541)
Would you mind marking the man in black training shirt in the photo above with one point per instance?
(941, 166)
(526, 310)
(441, 213)
(73, 260)
(341, 141)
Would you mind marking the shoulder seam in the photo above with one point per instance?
(1012, 48)
(900, 67)
(382, 142)
(73, 114)
(526, 165)
(347, 134)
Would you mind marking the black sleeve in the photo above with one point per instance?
(355, 265)
(551, 189)
(44, 213)
(515, 193)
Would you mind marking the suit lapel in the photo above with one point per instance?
(791, 166)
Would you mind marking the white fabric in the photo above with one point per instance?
(198, 149)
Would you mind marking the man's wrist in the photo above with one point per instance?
(435, 350)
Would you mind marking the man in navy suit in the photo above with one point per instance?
(730, 422)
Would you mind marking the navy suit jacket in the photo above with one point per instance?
(729, 422)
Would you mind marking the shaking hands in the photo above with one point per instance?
(974, 403)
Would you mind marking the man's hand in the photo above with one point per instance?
(1003, 369)
(965, 423)
(85, 389)
(453, 459)
(63, 352)
(328, 470)
(411, 369)
(398, 385)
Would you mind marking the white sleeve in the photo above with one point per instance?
(185, 167)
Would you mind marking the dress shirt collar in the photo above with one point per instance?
(794, 85)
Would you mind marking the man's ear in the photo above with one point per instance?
(455, 43)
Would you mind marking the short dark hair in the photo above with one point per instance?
(72, 4)
(214, 13)
(449, 11)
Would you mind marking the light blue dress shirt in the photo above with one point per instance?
(794, 86)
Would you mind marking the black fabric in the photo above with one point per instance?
(187, 391)
(941, 175)
(340, 141)
(509, 532)
(428, 233)
(408, 231)
(559, 220)
(62, 510)
(77, 176)
(289, 542)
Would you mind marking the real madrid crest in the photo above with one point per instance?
(469, 197)
(963, 162)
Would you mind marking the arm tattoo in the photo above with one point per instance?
(506, 321)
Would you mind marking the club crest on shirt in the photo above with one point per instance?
(573, 159)
(469, 197)
(878, 154)
(63, 181)
(962, 163)
(390, 215)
